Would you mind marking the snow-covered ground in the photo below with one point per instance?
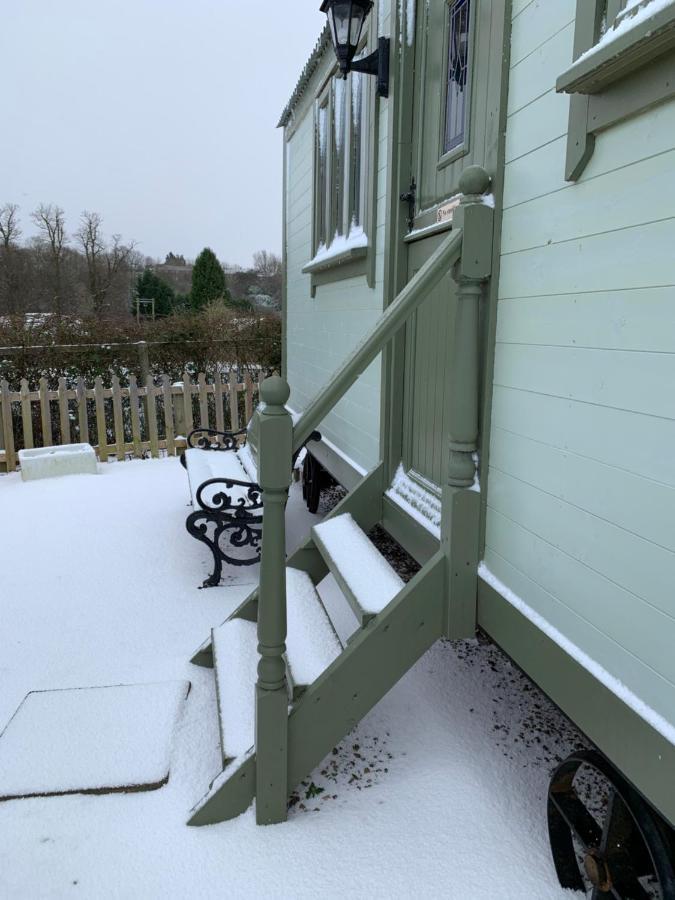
(440, 792)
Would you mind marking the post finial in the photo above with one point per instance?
(474, 180)
(275, 391)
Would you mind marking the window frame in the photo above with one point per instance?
(446, 157)
(631, 73)
(356, 260)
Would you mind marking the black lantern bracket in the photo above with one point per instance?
(345, 21)
(377, 64)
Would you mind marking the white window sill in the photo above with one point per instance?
(646, 31)
(342, 250)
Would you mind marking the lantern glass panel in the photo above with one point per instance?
(358, 14)
(341, 18)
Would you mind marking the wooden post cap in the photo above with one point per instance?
(474, 180)
(275, 391)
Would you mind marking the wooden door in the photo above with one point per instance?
(454, 118)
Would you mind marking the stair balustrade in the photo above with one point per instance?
(468, 247)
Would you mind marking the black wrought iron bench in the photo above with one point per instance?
(227, 503)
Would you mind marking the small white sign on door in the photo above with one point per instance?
(446, 211)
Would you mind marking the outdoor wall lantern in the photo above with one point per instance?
(345, 19)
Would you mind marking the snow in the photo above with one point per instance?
(248, 462)
(666, 729)
(102, 588)
(235, 652)
(410, 21)
(626, 23)
(421, 502)
(50, 462)
(103, 738)
(311, 643)
(205, 464)
(341, 243)
(368, 575)
(339, 87)
(357, 92)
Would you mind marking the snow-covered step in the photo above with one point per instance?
(363, 574)
(235, 661)
(311, 646)
(311, 642)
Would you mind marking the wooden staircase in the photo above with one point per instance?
(332, 682)
(289, 689)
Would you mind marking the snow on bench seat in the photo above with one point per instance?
(354, 560)
(205, 464)
(311, 646)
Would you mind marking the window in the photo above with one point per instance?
(622, 65)
(340, 177)
(456, 103)
(322, 168)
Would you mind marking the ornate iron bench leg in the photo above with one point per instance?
(238, 531)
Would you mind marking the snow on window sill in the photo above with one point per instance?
(641, 33)
(342, 249)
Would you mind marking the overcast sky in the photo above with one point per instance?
(158, 114)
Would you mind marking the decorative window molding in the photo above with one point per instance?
(623, 64)
(457, 75)
(343, 225)
(458, 54)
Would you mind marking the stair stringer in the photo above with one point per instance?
(363, 502)
(371, 664)
(378, 657)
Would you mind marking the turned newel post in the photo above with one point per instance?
(461, 506)
(275, 439)
(474, 216)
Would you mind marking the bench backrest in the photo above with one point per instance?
(253, 431)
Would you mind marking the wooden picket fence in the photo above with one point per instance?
(123, 422)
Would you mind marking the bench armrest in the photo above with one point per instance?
(223, 501)
(206, 441)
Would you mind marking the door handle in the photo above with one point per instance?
(410, 197)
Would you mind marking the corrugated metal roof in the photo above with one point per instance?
(307, 72)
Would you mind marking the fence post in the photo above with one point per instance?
(8, 427)
(143, 362)
(461, 504)
(271, 730)
(3, 466)
(144, 379)
(179, 411)
(26, 415)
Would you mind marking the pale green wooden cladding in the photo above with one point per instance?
(581, 489)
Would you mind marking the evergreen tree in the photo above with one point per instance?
(208, 280)
(150, 287)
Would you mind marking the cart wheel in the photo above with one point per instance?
(311, 482)
(629, 857)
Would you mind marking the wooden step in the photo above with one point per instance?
(344, 693)
(364, 576)
(311, 646)
(235, 660)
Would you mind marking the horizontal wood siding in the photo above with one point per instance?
(581, 488)
(322, 330)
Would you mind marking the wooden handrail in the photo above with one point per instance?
(393, 318)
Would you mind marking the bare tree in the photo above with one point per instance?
(10, 230)
(266, 264)
(51, 223)
(104, 261)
